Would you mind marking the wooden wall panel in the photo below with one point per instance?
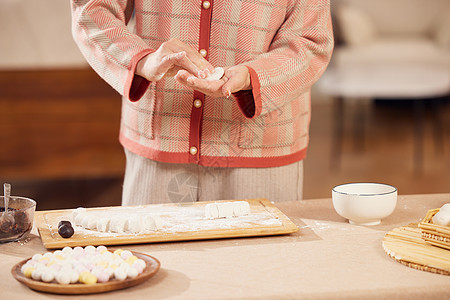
(58, 124)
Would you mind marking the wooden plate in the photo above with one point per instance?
(152, 266)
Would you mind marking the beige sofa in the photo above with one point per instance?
(392, 31)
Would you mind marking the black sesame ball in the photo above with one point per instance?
(66, 231)
(63, 222)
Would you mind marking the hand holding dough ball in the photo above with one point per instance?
(217, 75)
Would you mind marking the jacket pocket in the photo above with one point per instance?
(276, 129)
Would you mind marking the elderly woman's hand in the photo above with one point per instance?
(169, 58)
(235, 79)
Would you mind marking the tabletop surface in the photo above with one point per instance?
(386, 80)
(327, 258)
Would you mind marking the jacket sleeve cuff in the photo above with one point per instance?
(135, 85)
(249, 101)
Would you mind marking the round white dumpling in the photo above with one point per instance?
(442, 218)
(135, 225)
(148, 223)
(92, 222)
(77, 212)
(216, 75)
(103, 224)
(118, 224)
(445, 207)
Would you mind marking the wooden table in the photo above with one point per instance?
(327, 259)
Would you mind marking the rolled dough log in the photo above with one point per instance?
(118, 222)
(227, 209)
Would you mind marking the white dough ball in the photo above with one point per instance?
(120, 274)
(78, 211)
(78, 220)
(24, 266)
(132, 273)
(74, 276)
(36, 257)
(37, 274)
(85, 220)
(445, 207)
(125, 254)
(47, 276)
(135, 225)
(118, 224)
(148, 223)
(92, 222)
(140, 262)
(216, 75)
(158, 221)
(211, 211)
(63, 277)
(67, 250)
(442, 218)
(101, 248)
(90, 249)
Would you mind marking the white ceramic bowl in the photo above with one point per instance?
(364, 203)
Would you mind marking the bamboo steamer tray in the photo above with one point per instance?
(434, 234)
(184, 222)
(406, 246)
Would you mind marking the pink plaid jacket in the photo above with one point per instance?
(285, 44)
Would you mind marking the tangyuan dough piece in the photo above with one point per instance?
(225, 209)
(442, 218)
(118, 224)
(79, 220)
(158, 221)
(241, 208)
(148, 223)
(78, 211)
(211, 211)
(135, 225)
(217, 75)
(78, 215)
(103, 224)
(446, 208)
(85, 221)
(92, 222)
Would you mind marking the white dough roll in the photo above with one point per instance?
(103, 224)
(118, 224)
(227, 209)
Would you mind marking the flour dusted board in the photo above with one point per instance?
(179, 222)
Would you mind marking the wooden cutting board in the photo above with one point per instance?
(180, 222)
(406, 246)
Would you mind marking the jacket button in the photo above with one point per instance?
(206, 4)
(193, 150)
(203, 52)
(197, 103)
